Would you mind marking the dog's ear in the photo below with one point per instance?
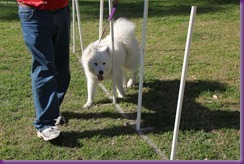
(105, 49)
(94, 45)
(89, 49)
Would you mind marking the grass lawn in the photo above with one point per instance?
(210, 121)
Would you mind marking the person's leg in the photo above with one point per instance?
(61, 50)
(38, 30)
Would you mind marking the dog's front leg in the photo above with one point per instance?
(119, 83)
(91, 90)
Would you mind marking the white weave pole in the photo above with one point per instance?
(143, 42)
(101, 18)
(73, 26)
(110, 3)
(79, 25)
(182, 83)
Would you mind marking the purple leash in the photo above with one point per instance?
(110, 17)
(113, 10)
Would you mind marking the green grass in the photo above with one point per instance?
(210, 127)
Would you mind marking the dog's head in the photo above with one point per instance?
(98, 60)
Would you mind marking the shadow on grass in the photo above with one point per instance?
(72, 138)
(87, 116)
(160, 101)
(132, 9)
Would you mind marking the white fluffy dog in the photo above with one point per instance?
(97, 59)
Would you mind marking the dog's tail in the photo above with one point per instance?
(124, 30)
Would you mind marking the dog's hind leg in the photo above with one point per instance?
(132, 79)
(124, 79)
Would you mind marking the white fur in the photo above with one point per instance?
(97, 59)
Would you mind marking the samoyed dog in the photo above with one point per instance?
(97, 59)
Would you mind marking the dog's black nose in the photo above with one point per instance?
(100, 72)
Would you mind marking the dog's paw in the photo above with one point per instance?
(121, 95)
(87, 105)
(130, 83)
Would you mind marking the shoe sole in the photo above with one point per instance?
(39, 135)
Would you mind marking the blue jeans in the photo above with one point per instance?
(47, 36)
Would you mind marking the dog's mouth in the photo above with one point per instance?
(100, 77)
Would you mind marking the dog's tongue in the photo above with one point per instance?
(100, 78)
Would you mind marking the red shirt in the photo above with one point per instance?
(45, 4)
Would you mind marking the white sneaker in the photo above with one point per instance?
(60, 120)
(49, 133)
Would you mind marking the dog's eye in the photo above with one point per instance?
(95, 63)
(104, 63)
